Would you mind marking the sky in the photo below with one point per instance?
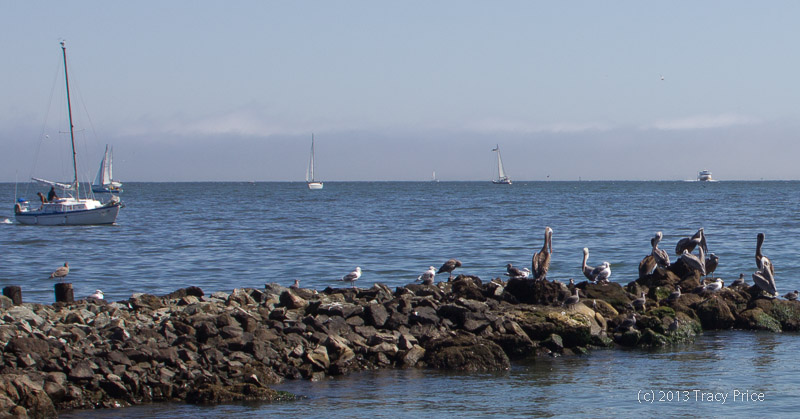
(232, 91)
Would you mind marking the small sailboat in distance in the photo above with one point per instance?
(502, 178)
(310, 180)
(434, 179)
(104, 183)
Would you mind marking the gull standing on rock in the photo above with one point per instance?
(714, 286)
(428, 276)
(602, 272)
(513, 272)
(540, 262)
(628, 324)
(353, 276)
(792, 296)
(449, 267)
(98, 295)
(640, 302)
(764, 278)
(572, 299)
(675, 294)
(61, 272)
(738, 281)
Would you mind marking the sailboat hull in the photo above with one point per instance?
(314, 185)
(502, 182)
(106, 214)
(105, 189)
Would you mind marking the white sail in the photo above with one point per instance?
(502, 178)
(312, 182)
(103, 177)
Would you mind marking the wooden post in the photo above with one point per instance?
(64, 293)
(14, 293)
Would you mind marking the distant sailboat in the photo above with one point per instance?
(104, 182)
(502, 179)
(433, 178)
(312, 183)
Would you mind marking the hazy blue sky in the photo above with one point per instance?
(199, 90)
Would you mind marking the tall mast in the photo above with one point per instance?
(71, 128)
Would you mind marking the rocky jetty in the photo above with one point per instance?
(198, 348)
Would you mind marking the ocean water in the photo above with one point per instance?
(221, 236)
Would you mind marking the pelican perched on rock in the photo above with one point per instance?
(428, 276)
(353, 276)
(647, 265)
(61, 272)
(689, 243)
(759, 256)
(513, 272)
(572, 299)
(764, 278)
(712, 261)
(661, 256)
(449, 267)
(697, 263)
(540, 262)
(714, 286)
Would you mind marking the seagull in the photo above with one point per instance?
(61, 272)
(792, 296)
(449, 266)
(662, 77)
(661, 256)
(540, 262)
(764, 278)
(353, 276)
(296, 284)
(628, 324)
(675, 294)
(602, 272)
(98, 295)
(714, 286)
(515, 272)
(427, 276)
(738, 281)
(572, 299)
(674, 325)
(639, 302)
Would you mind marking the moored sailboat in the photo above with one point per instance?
(502, 178)
(310, 180)
(104, 182)
(70, 209)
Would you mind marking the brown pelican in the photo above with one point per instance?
(540, 262)
(697, 263)
(353, 276)
(689, 243)
(640, 302)
(428, 276)
(661, 255)
(714, 286)
(764, 278)
(759, 256)
(572, 299)
(711, 263)
(792, 296)
(61, 272)
(587, 270)
(449, 266)
(647, 265)
(513, 272)
(675, 294)
(98, 295)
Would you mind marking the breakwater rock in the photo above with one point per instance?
(198, 348)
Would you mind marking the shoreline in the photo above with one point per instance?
(205, 349)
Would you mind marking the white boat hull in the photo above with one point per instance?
(96, 216)
(314, 185)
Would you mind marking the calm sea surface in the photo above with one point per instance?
(221, 236)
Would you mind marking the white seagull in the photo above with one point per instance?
(428, 276)
(353, 276)
(61, 272)
(98, 295)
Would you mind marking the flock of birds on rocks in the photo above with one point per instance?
(764, 277)
(702, 261)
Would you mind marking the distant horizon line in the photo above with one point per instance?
(441, 181)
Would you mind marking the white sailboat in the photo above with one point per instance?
(104, 182)
(312, 183)
(502, 178)
(434, 179)
(70, 209)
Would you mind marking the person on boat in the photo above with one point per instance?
(51, 196)
(18, 205)
(42, 198)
